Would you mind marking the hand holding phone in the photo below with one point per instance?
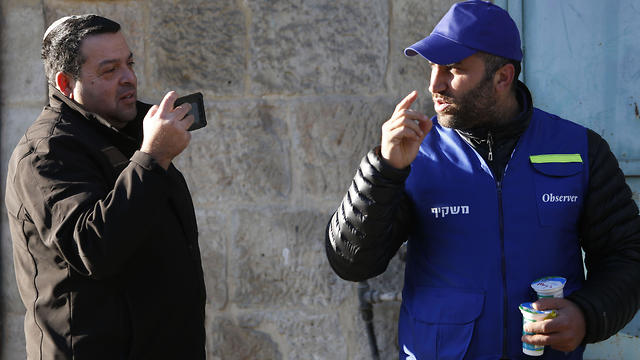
(165, 132)
(197, 109)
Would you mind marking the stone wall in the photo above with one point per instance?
(295, 94)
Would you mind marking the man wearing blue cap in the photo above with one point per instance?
(491, 194)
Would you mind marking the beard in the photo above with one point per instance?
(474, 108)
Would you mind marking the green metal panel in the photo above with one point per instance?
(582, 62)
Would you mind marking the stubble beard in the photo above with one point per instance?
(473, 109)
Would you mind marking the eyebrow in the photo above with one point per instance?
(446, 65)
(110, 61)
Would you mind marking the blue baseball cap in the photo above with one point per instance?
(469, 27)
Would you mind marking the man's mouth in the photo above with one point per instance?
(440, 105)
(129, 96)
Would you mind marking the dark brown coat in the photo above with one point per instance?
(105, 242)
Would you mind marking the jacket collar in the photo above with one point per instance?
(133, 130)
(57, 98)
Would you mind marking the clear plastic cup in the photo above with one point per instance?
(529, 315)
(549, 287)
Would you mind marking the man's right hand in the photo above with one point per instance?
(165, 130)
(403, 133)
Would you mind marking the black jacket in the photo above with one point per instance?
(105, 242)
(375, 218)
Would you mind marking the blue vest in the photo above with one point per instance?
(480, 243)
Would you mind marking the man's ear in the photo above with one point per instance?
(504, 77)
(65, 83)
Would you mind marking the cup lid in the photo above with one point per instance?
(548, 284)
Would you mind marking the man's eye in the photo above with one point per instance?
(131, 63)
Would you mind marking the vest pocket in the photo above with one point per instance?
(559, 193)
(438, 323)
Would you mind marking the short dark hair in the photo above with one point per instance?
(494, 62)
(61, 44)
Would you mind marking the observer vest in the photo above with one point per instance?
(480, 243)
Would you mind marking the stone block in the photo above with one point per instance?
(313, 47)
(241, 155)
(198, 46)
(12, 342)
(385, 316)
(213, 232)
(232, 341)
(385, 324)
(332, 136)
(278, 259)
(411, 21)
(303, 334)
(22, 74)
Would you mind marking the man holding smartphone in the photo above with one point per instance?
(105, 240)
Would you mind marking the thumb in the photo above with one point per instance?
(548, 303)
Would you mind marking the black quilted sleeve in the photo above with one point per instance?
(372, 221)
(610, 237)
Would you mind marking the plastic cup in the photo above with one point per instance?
(549, 287)
(529, 315)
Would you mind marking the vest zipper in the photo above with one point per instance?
(490, 144)
(503, 263)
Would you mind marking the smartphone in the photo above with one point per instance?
(197, 109)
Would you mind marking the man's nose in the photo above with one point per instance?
(128, 76)
(438, 81)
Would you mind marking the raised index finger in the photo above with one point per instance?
(407, 101)
(166, 105)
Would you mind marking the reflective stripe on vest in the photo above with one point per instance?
(555, 158)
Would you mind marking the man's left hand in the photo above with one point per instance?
(563, 333)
